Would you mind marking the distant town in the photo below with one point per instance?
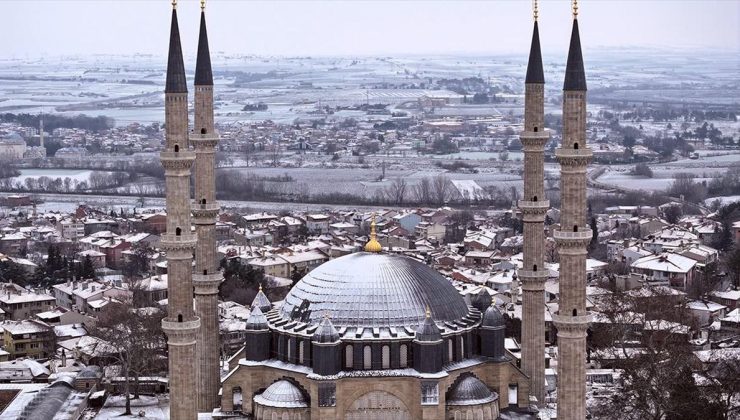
(312, 152)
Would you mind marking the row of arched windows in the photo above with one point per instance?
(367, 357)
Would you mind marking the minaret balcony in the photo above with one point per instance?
(181, 333)
(182, 160)
(534, 141)
(573, 239)
(207, 284)
(204, 142)
(570, 326)
(172, 243)
(534, 206)
(205, 213)
(574, 157)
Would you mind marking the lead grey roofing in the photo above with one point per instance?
(535, 73)
(256, 320)
(175, 82)
(470, 391)
(428, 331)
(369, 291)
(575, 75)
(493, 317)
(282, 394)
(326, 333)
(262, 301)
(49, 401)
(203, 73)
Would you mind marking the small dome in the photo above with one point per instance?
(493, 317)
(470, 391)
(428, 330)
(326, 333)
(257, 320)
(481, 300)
(283, 394)
(262, 301)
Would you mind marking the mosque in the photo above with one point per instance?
(371, 335)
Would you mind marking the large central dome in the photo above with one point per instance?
(373, 290)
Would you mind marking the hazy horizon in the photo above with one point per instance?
(352, 27)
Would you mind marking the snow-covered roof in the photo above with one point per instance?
(666, 262)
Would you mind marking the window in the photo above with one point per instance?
(429, 392)
(348, 356)
(462, 347)
(327, 394)
(290, 348)
(450, 350)
(300, 352)
(386, 359)
(367, 358)
(404, 355)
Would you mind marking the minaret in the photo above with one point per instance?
(181, 325)
(573, 237)
(41, 131)
(533, 207)
(206, 277)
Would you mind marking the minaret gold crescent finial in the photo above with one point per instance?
(373, 245)
(202, 5)
(174, 4)
(575, 9)
(536, 10)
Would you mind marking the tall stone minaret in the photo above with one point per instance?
(205, 211)
(41, 131)
(534, 206)
(181, 325)
(573, 237)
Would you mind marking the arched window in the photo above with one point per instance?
(404, 357)
(202, 201)
(367, 358)
(450, 350)
(290, 349)
(202, 131)
(575, 146)
(348, 356)
(386, 357)
(462, 347)
(177, 148)
(575, 228)
(179, 318)
(534, 267)
(534, 198)
(286, 416)
(575, 312)
(205, 272)
(300, 352)
(236, 395)
(178, 231)
(535, 129)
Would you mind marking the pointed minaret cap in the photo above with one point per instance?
(176, 82)
(535, 73)
(203, 72)
(575, 75)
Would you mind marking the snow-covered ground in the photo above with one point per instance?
(151, 407)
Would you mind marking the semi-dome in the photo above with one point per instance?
(470, 391)
(282, 394)
(373, 290)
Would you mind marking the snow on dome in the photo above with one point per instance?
(470, 391)
(373, 290)
(283, 394)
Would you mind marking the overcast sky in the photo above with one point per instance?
(56, 27)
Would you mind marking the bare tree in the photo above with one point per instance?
(423, 191)
(396, 192)
(441, 186)
(134, 340)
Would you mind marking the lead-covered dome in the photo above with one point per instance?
(283, 394)
(470, 391)
(373, 290)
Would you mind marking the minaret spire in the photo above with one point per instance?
(176, 82)
(203, 73)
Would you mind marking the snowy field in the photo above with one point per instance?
(151, 407)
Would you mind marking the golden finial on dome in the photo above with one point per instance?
(575, 9)
(373, 245)
(202, 5)
(174, 4)
(536, 10)
(260, 287)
